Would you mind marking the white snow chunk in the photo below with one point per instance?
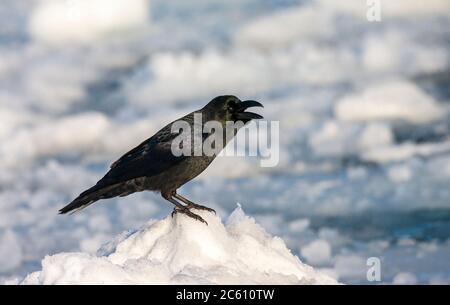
(299, 225)
(350, 266)
(405, 278)
(85, 21)
(396, 100)
(180, 250)
(317, 252)
(10, 251)
(286, 27)
(404, 151)
(399, 173)
(389, 8)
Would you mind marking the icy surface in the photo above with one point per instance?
(180, 250)
(363, 108)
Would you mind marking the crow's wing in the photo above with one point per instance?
(150, 158)
(135, 153)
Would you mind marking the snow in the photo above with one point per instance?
(317, 252)
(397, 100)
(399, 173)
(77, 133)
(398, 8)
(86, 21)
(337, 138)
(285, 27)
(351, 266)
(405, 278)
(383, 53)
(299, 225)
(188, 73)
(10, 251)
(180, 250)
(405, 151)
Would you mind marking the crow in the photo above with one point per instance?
(153, 165)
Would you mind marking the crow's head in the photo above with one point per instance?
(229, 108)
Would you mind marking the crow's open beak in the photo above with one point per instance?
(243, 115)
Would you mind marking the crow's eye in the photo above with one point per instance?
(231, 105)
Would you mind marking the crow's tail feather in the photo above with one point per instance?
(87, 198)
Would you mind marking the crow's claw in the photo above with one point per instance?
(200, 207)
(187, 212)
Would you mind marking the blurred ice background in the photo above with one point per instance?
(363, 110)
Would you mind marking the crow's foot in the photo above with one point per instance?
(200, 207)
(193, 205)
(187, 212)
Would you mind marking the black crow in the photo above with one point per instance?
(153, 166)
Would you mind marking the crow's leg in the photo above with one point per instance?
(179, 208)
(192, 205)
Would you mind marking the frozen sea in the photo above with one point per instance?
(363, 109)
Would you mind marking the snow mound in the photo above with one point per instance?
(180, 250)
